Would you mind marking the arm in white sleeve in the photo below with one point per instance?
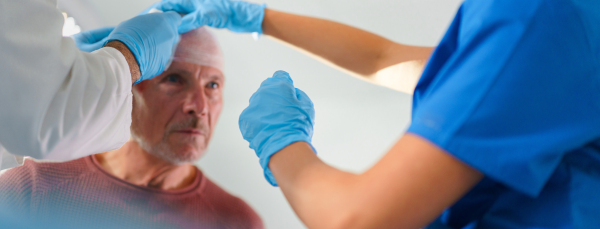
(57, 102)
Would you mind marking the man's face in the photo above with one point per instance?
(175, 113)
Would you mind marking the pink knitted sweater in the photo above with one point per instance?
(80, 194)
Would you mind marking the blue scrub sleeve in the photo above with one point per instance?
(512, 87)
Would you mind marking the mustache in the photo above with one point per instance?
(192, 122)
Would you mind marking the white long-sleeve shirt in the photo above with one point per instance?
(57, 102)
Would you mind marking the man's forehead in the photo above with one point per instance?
(199, 46)
(191, 69)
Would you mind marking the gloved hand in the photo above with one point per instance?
(92, 40)
(152, 38)
(237, 16)
(278, 115)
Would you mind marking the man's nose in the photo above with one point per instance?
(196, 103)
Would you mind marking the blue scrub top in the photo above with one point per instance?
(513, 90)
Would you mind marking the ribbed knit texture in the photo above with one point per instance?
(80, 194)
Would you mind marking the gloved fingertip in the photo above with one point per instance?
(106, 29)
(280, 73)
(139, 80)
(174, 15)
(103, 33)
(182, 30)
(283, 74)
(167, 6)
(187, 24)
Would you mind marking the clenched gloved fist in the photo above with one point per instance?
(278, 115)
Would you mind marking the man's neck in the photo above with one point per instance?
(134, 165)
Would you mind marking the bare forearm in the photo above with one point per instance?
(134, 68)
(408, 188)
(356, 50)
(317, 192)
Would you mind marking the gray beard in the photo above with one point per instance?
(162, 151)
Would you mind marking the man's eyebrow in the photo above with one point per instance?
(180, 71)
(216, 77)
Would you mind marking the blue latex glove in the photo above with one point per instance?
(278, 115)
(237, 16)
(92, 40)
(152, 38)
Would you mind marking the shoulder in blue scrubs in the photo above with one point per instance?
(513, 90)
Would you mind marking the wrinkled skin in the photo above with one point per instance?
(174, 114)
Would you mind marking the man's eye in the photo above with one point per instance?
(213, 85)
(173, 78)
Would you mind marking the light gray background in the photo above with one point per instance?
(355, 122)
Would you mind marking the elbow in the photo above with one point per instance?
(346, 222)
(360, 217)
(344, 218)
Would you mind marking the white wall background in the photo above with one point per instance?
(355, 122)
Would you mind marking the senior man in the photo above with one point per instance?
(150, 181)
